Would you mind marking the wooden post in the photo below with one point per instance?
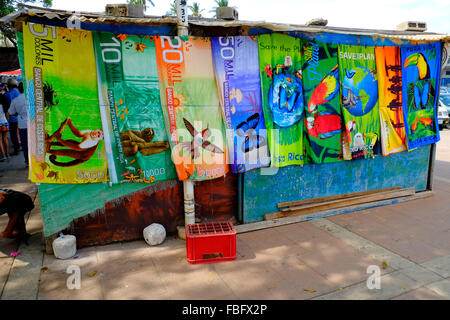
(188, 186)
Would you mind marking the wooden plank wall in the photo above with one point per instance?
(262, 193)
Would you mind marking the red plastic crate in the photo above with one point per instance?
(210, 242)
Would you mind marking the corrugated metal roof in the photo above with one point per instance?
(91, 17)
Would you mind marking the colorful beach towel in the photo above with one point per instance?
(191, 105)
(389, 72)
(65, 132)
(238, 82)
(359, 99)
(323, 116)
(137, 144)
(280, 67)
(420, 81)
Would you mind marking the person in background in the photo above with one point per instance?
(4, 128)
(12, 93)
(18, 107)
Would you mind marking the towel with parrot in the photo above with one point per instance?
(420, 80)
(323, 116)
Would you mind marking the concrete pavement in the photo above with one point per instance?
(320, 259)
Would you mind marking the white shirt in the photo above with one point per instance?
(2, 115)
(19, 106)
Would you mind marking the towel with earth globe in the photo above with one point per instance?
(359, 99)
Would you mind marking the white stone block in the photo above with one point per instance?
(65, 246)
(154, 234)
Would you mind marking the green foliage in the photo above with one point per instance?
(195, 8)
(143, 2)
(220, 3)
(172, 10)
(9, 6)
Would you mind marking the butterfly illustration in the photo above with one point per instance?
(421, 98)
(198, 140)
(246, 130)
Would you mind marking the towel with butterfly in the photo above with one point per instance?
(237, 75)
(389, 72)
(66, 142)
(323, 117)
(191, 107)
(138, 145)
(359, 100)
(420, 80)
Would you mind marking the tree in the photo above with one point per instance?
(195, 8)
(220, 3)
(172, 10)
(143, 2)
(9, 6)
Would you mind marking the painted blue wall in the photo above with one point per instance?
(262, 193)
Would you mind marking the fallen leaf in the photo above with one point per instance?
(403, 287)
(384, 265)
(43, 269)
(309, 290)
(272, 287)
(92, 274)
(14, 254)
(340, 289)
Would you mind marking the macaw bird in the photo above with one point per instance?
(418, 59)
(351, 126)
(325, 91)
(323, 125)
(414, 125)
(426, 121)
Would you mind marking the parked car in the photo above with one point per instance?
(443, 111)
(444, 90)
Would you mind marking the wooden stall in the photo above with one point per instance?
(251, 200)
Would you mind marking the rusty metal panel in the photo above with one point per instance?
(216, 200)
(127, 219)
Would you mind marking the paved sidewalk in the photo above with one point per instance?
(321, 259)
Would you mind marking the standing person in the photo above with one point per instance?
(13, 124)
(3, 128)
(18, 107)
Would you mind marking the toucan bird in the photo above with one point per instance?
(418, 59)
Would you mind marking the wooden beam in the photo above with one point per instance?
(341, 203)
(326, 213)
(341, 196)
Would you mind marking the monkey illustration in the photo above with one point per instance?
(134, 141)
(80, 151)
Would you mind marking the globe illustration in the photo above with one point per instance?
(359, 90)
(286, 100)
